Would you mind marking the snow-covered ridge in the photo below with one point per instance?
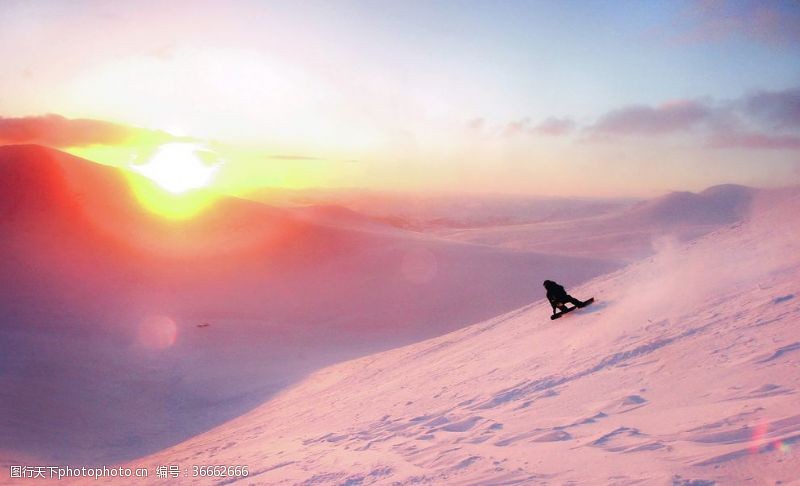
(626, 234)
(683, 372)
(258, 297)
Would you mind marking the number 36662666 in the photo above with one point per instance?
(219, 471)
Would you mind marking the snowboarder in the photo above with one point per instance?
(559, 297)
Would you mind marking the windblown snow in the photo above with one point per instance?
(686, 370)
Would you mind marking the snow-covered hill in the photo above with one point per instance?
(446, 212)
(626, 233)
(122, 333)
(686, 370)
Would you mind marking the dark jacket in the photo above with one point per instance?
(555, 293)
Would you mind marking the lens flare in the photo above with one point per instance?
(157, 332)
(758, 435)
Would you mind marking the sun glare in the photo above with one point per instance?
(174, 179)
(178, 168)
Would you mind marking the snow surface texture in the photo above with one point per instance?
(685, 371)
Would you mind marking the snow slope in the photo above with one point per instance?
(626, 234)
(685, 371)
(122, 333)
(444, 212)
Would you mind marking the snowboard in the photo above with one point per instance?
(570, 309)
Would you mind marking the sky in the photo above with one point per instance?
(602, 98)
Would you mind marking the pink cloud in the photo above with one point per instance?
(551, 126)
(778, 109)
(754, 140)
(517, 127)
(57, 131)
(476, 124)
(764, 120)
(670, 117)
(775, 23)
(555, 126)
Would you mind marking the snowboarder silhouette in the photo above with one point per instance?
(559, 298)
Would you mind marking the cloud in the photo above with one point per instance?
(776, 23)
(668, 118)
(555, 126)
(60, 132)
(754, 140)
(294, 157)
(778, 109)
(551, 127)
(762, 120)
(309, 158)
(517, 127)
(476, 124)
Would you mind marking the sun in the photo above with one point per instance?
(179, 168)
(174, 182)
